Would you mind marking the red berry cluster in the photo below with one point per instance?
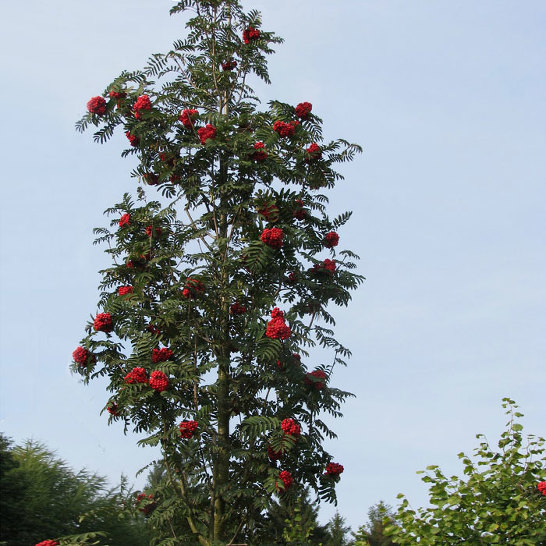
(274, 455)
(140, 497)
(303, 109)
(150, 230)
(192, 288)
(133, 139)
(167, 158)
(139, 262)
(542, 487)
(188, 428)
(269, 212)
(287, 480)
(124, 220)
(285, 129)
(118, 95)
(142, 103)
(314, 152)
(295, 356)
(299, 213)
(103, 323)
(151, 328)
(317, 374)
(82, 356)
(188, 117)
(292, 278)
(161, 355)
(272, 237)
(260, 154)
(250, 34)
(136, 375)
(229, 65)
(158, 381)
(151, 179)
(209, 131)
(148, 506)
(331, 239)
(290, 427)
(124, 290)
(97, 105)
(48, 543)
(333, 469)
(327, 266)
(113, 409)
(237, 309)
(276, 327)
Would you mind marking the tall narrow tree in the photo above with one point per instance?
(221, 285)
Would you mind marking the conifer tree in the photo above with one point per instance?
(338, 531)
(373, 533)
(224, 266)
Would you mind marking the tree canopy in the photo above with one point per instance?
(43, 498)
(500, 499)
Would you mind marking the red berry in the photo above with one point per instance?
(331, 239)
(285, 129)
(206, 133)
(136, 375)
(272, 237)
(188, 428)
(192, 288)
(317, 374)
(134, 140)
(158, 381)
(97, 105)
(142, 103)
(103, 322)
(161, 355)
(276, 327)
(188, 117)
(287, 480)
(124, 220)
(229, 65)
(290, 427)
(82, 356)
(237, 309)
(250, 34)
(303, 109)
(314, 152)
(333, 470)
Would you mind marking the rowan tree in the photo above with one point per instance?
(225, 268)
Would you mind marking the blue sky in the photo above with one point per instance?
(447, 99)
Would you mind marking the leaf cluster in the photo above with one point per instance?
(496, 502)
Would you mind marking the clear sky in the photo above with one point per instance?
(449, 198)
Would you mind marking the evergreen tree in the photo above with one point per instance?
(42, 498)
(373, 533)
(291, 520)
(337, 531)
(13, 487)
(220, 286)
